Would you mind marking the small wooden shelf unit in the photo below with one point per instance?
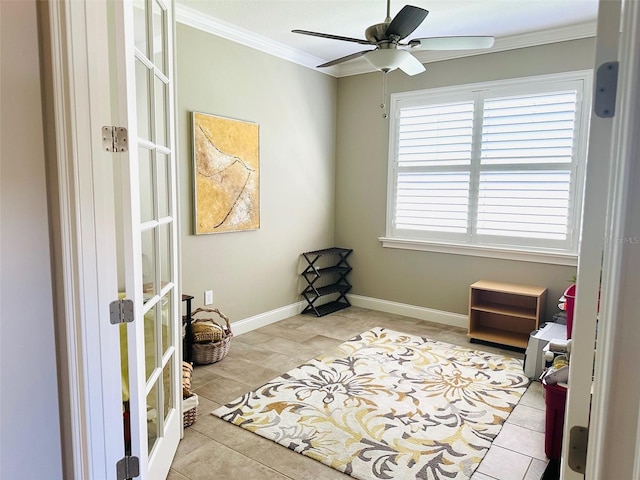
(504, 313)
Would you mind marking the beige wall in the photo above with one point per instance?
(30, 445)
(432, 280)
(254, 272)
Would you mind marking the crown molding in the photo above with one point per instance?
(196, 19)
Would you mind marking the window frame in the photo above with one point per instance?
(487, 246)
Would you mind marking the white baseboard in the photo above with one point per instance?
(267, 318)
(422, 313)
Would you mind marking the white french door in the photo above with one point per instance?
(110, 63)
(144, 40)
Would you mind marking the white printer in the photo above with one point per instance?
(534, 356)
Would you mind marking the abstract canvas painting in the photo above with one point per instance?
(226, 174)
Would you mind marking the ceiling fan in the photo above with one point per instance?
(390, 53)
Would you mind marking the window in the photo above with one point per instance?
(496, 165)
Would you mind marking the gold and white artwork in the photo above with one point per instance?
(227, 174)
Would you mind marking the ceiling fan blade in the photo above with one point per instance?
(410, 64)
(451, 43)
(343, 59)
(333, 37)
(406, 21)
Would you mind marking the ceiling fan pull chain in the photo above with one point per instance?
(383, 105)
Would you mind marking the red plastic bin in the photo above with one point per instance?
(555, 398)
(570, 296)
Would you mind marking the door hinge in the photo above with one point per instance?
(606, 90)
(578, 439)
(127, 467)
(121, 311)
(115, 139)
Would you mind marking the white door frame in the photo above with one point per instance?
(599, 161)
(80, 184)
(614, 433)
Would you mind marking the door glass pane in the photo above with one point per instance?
(143, 100)
(140, 26)
(164, 177)
(159, 18)
(165, 253)
(167, 381)
(150, 344)
(145, 167)
(167, 315)
(152, 415)
(148, 264)
(161, 112)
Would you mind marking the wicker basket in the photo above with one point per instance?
(187, 373)
(189, 410)
(207, 332)
(214, 351)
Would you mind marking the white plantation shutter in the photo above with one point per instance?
(437, 202)
(433, 143)
(438, 135)
(528, 204)
(529, 129)
(496, 167)
(526, 161)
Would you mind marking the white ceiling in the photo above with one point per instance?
(267, 24)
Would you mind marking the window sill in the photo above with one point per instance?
(484, 251)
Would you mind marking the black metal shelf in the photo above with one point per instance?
(329, 251)
(333, 281)
(326, 271)
(326, 308)
(310, 292)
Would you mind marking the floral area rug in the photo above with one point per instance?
(386, 405)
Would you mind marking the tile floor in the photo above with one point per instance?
(214, 449)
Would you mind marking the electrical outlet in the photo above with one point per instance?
(208, 297)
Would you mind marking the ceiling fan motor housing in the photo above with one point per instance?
(377, 35)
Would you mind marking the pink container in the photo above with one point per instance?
(555, 397)
(570, 295)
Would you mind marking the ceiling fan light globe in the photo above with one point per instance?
(390, 59)
(384, 59)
